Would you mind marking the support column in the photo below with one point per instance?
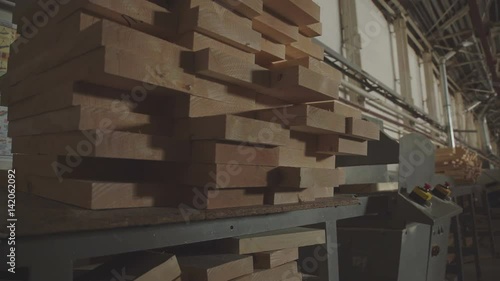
(401, 32)
(430, 81)
(351, 41)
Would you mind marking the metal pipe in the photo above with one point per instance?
(393, 109)
(447, 99)
(486, 135)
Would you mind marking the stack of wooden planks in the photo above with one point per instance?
(259, 257)
(461, 164)
(205, 104)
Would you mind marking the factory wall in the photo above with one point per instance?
(379, 57)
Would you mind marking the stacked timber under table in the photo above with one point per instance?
(204, 104)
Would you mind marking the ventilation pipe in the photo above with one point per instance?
(447, 99)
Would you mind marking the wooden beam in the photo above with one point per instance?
(304, 47)
(201, 198)
(105, 143)
(339, 108)
(196, 41)
(219, 23)
(68, 94)
(110, 67)
(275, 29)
(235, 128)
(80, 118)
(337, 145)
(306, 177)
(101, 195)
(305, 118)
(274, 240)
(270, 53)
(222, 176)
(272, 259)
(311, 30)
(289, 196)
(299, 12)
(288, 271)
(224, 153)
(304, 85)
(144, 266)
(362, 129)
(215, 267)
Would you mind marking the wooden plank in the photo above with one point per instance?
(68, 29)
(369, 188)
(305, 118)
(337, 145)
(312, 64)
(79, 118)
(196, 41)
(113, 68)
(296, 84)
(304, 85)
(299, 12)
(269, 53)
(302, 141)
(339, 108)
(101, 195)
(311, 30)
(272, 259)
(105, 143)
(286, 272)
(146, 17)
(219, 23)
(275, 29)
(289, 196)
(222, 176)
(235, 128)
(143, 266)
(219, 65)
(70, 94)
(304, 47)
(289, 157)
(225, 153)
(294, 177)
(216, 267)
(324, 192)
(247, 8)
(202, 198)
(274, 240)
(362, 129)
(98, 169)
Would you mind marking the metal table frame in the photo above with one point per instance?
(51, 257)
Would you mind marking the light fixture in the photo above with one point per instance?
(473, 106)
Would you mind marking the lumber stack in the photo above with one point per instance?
(204, 104)
(259, 257)
(461, 164)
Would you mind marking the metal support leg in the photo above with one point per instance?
(486, 204)
(332, 252)
(472, 206)
(53, 270)
(457, 238)
(457, 235)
